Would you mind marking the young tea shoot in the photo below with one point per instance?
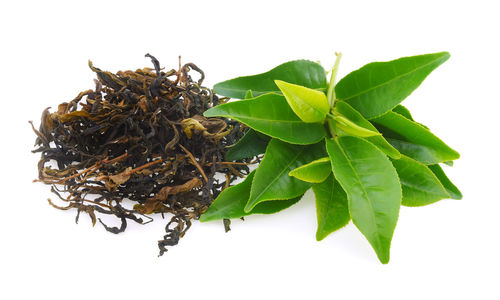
(352, 142)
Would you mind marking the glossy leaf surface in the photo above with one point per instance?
(231, 202)
(271, 115)
(405, 112)
(372, 187)
(331, 207)
(351, 128)
(414, 140)
(301, 72)
(446, 182)
(309, 105)
(420, 185)
(272, 181)
(378, 87)
(250, 145)
(315, 172)
(356, 117)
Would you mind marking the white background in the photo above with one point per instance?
(449, 250)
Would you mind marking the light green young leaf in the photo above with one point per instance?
(249, 94)
(446, 182)
(448, 163)
(331, 207)
(314, 172)
(270, 114)
(309, 105)
(372, 187)
(272, 181)
(250, 145)
(353, 115)
(351, 128)
(301, 72)
(413, 140)
(378, 87)
(420, 185)
(231, 202)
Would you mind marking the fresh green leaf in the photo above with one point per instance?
(331, 207)
(301, 72)
(351, 128)
(271, 115)
(314, 172)
(249, 94)
(250, 145)
(231, 202)
(378, 87)
(405, 112)
(372, 187)
(448, 163)
(420, 185)
(309, 105)
(353, 115)
(413, 140)
(446, 182)
(272, 181)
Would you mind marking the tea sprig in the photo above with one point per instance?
(352, 142)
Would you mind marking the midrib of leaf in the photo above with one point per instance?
(415, 187)
(269, 92)
(329, 207)
(279, 175)
(389, 81)
(262, 119)
(372, 214)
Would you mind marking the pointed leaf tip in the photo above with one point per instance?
(309, 105)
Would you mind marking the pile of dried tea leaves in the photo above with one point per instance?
(136, 145)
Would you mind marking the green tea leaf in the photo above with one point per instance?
(231, 202)
(446, 182)
(272, 181)
(420, 185)
(301, 72)
(309, 105)
(352, 128)
(448, 163)
(378, 87)
(314, 172)
(353, 115)
(331, 207)
(271, 115)
(372, 187)
(405, 112)
(413, 140)
(249, 94)
(250, 145)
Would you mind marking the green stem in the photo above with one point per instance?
(331, 127)
(331, 85)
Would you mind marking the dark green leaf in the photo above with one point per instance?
(448, 185)
(420, 185)
(413, 140)
(272, 181)
(301, 72)
(378, 87)
(372, 187)
(250, 145)
(331, 207)
(271, 115)
(379, 141)
(231, 202)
